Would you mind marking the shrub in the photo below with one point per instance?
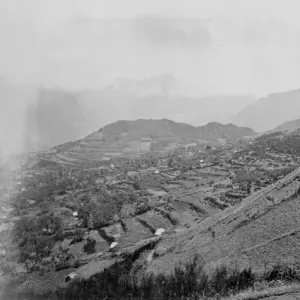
(117, 282)
(28, 233)
(282, 272)
(136, 185)
(89, 247)
(78, 236)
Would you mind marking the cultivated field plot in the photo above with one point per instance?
(134, 232)
(155, 221)
(114, 231)
(260, 230)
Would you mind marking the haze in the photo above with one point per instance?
(210, 47)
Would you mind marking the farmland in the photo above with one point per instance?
(208, 201)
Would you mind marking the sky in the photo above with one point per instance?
(210, 47)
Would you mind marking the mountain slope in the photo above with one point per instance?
(132, 138)
(290, 126)
(263, 229)
(167, 128)
(268, 113)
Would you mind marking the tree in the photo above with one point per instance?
(136, 185)
(249, 188)
(170, 162)
(90, 223)
(89, 247)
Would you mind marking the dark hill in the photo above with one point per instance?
(169, 129)
(132, 138)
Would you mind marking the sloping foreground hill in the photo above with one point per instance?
(262, 230)
(268, 113)
(127, 138)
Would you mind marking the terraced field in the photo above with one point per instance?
(261, 230)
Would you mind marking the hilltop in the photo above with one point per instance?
(268, 113)
(133, 138)
(166, 128)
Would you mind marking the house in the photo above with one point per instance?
(235, 187)
(113, 245)
(159, 231)
(71, 276)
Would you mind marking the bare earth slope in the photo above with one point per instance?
(263, 229)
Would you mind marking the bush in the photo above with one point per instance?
(282, 272)
(89, 247)
(78, 236)
(29, 233)
(117, 282)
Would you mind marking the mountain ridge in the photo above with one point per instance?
(269, 112)
(126, 138)
(175, 129)
(290, 126)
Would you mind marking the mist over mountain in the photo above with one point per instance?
(35, 117)
(270, 112)
(161, 85)
(14, 100)
(55, 117)
(158, 98)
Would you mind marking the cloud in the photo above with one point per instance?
(167, 31)
(264, 32)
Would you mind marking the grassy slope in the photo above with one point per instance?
(256, 232)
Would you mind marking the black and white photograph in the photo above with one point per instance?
(149, 149)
